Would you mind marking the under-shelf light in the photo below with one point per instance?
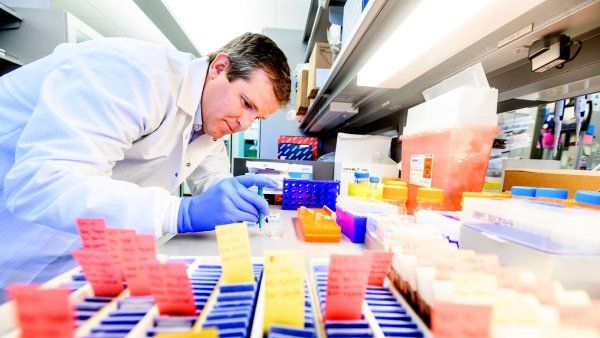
(434, 31)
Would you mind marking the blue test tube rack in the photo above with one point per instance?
(309, 193)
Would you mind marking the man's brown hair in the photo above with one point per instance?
(251, 51)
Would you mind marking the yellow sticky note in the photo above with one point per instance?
(284, 288)
(234, 249)
(206, 333)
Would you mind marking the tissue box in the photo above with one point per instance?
(297, 148)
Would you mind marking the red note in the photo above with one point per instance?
(449, 320)
(100, 271)
(171, 289)
(346, 286)
(42, 312)
(140, 252)
(381, 262)
(93, 233)
(114, 246)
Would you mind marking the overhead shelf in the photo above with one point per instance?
(9, 19)
(499, 60)
(8, 62)
(317, 23)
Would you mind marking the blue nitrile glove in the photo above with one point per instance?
(229, 201)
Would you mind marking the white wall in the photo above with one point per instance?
(290, 41)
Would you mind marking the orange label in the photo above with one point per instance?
(114, 247)
(381, 262)
(171, 289)
(450, 320)
(139, 252)
(100, 271)
(42, 312)
(92, 232)
(346, 286)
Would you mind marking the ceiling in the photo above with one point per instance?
(211, 24)
(208, 24)
(113, 18)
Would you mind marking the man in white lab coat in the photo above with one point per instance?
(108, 128)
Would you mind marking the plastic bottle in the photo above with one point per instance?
(549, 195)
(396, 194)
(587, 199)
(429, 199)
(522, 192)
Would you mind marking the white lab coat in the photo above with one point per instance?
(99, 129)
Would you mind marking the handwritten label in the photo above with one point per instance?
(474, 287)
(346, 286)
(100, 271)
(450, 320)
(205, 333)
(284, 288)
(580, 315)
(42, 312)
(93, 234)
(234, 249)
(171, 289)
(114, 247)
(381, 262)
(139, 252)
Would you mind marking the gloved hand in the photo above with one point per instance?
(229, 201)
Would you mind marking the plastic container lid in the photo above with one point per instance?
(395, 191)
(361, 174)
(374, 179)
(588, 197)
(396, 180)
(523, 191)
(431, 195)
(483, 195)
(552, 193)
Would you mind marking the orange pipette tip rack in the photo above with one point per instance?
(317, 225)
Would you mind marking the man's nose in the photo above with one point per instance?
(245, 120)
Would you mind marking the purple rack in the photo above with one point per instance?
(309, 193)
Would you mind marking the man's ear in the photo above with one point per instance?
(219, 65)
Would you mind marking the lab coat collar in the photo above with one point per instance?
(190, 94)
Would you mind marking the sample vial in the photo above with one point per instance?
(429, 199)
(361, 177)
(523, 192)
(373, 181)
(587, 199)
(396, 193)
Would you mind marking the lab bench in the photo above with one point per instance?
(205, 244)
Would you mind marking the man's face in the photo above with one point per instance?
(229, 107)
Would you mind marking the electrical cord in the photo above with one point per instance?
(571, 43)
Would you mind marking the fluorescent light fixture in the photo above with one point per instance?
(433, 32)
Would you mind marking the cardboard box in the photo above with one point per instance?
(297, 147)
(320, 59)
(571, 180)
(344, 172)
(301, 93)
(362, 153)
